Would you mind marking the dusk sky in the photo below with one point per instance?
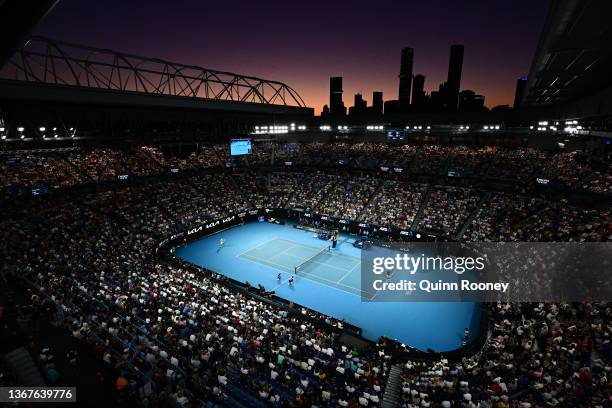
(304, 43)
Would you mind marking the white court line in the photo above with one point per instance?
(266, 262)
(372, 298)
(262, 244)
(311, 247)
(348, 273)
(295, 244)
(317, 262)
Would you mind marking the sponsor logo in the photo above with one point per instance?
(194, 230)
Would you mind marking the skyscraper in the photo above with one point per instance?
(418, 91)
(360, 106)
(520, 89)
(455, 66)
(336, 106)
(405, 78)
(377, 102)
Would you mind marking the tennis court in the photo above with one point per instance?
(318, 264)
(331, 283)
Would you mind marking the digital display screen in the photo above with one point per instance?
(39, 191)
(396, 134)
(241, 147)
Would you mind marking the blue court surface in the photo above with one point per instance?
(329, 283)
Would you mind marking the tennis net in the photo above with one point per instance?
(310, 260)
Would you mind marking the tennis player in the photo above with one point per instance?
(221, 243)
(389, 273)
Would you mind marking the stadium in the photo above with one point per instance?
(178, 236)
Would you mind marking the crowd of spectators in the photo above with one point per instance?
(168, 331)
(447, 208)
(99, 164)
(565, 167)
(563, 222)
(432, 159)
(174, 336)
(312, 189)
(516, 164)
(348, 197)
(61, 168)
(501, 216)
(599, 183)
(544, 354)
(34, 170)
(325, 154)
(471, 161)
(396, 204)
(262, 154)
(203, 157)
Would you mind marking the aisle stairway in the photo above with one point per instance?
(419, 214)
(26, 371)
(373, 198)
(392, 395)
(461, 230)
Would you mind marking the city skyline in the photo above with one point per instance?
(305, 46)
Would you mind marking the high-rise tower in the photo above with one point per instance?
(336, 106)
(418, 91)
(455, 66)
(405, 78)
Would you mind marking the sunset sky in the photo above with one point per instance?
(304, 43)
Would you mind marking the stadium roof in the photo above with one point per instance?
(574, 55)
